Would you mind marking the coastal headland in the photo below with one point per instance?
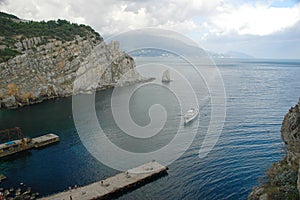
(47, 60)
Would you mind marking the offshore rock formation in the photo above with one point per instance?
(50, 68)
(283, 178)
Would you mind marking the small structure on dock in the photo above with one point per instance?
(20, 143)
(10, 134)
(115, 185)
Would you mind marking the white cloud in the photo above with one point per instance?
(112, 16)
(252, 19)
(204, 20)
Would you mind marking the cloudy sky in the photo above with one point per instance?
(261, 28)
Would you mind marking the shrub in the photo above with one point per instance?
(7, 53)
(282, 181)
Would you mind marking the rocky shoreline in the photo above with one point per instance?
(283, 178)
(20, 193)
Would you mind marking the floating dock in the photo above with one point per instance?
(115, 185)
(23, 144)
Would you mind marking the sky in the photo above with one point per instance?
(260, 28)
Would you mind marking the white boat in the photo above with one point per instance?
(190, 115)
(166, 76)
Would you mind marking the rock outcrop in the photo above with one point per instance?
(50, 68)
(283, 178)
(290, 132)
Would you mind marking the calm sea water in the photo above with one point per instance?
(259, 93)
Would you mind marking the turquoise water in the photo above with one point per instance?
(259, 93)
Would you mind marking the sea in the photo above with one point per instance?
(257, 93)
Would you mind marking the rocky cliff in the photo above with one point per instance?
(290, 132)
(283, 178)
(57, 63)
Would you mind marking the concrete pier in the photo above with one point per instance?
(115, 185)
(20, 145)
(45, 140)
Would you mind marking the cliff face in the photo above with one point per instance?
(283, 178)
(290, 132)
(46, 68)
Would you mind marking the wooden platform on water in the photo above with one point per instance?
(115, 185)
(15, 146)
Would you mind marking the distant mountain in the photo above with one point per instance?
(158, 42)
(148, 52)
(230, 54)
(163, 43)
(236, 54)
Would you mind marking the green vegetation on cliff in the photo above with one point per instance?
(2, 14)
(282, 181)
(60, 29)
(13, 30)
(7, 53)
